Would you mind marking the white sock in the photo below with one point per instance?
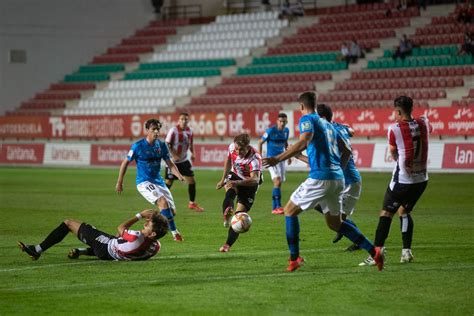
(38, 249)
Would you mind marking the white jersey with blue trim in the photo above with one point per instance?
(323, 152)
(351, 173)
(148, 157)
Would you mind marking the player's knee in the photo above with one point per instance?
(385, 213)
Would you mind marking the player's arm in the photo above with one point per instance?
(286, 148)
(393, 151)
(173, 152)
(292, 151)
(345, 152)
(191, 147)
(171, 165)
(145, 214)
(122, 171)
(227, 165)
(261, 141)
(392, 145)
(251, 181)
(302, 158)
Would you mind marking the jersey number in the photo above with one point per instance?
(150, 187)
(331, 142)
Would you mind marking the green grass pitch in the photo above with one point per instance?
(194, 278)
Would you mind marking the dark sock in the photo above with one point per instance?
(319, 208)
(406, 226)
(231, 237)
(169, 215)
(55, 236)
(229, 199)
(192, 192)
(293, 236)
(356, 236)
(86, 251)
(383, 228)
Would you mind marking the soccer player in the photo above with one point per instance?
(241, 178)
(180, 140)
(324, 185)
(148, 153)
(352, 178)
(130, 245)
(408, 145)
(276, 138)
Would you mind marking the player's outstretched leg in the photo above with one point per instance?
(228, 206)
(276, 201)
(171, 224)
(406, 227)
(74, 253)
(293, 240)
(192, 198)
(231, 239)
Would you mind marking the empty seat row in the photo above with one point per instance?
(346, 36)
(240, 26)
(128, 49)
(120, 103)
(402, 83)
(277, 78)
(155, 31)
(101, 68)
(414, 72)
(144, 40)
(369, 15)
(172, 74)
(383, 95)
(317, 47)
(427, 51)
(443, 20)
(42, 105)
(301, 67)
(201, 54)
(62, 86)
(115, 59)
(238, 35)
(211, 63)
(348, 26)
(157, 83)
(265, 88)
(444, 29)
(111, 111)
(50, 95)
(270, 15)
(225, 44)
(86, 77)
(284, 59)
(441, 39)
(242, 99)
(141, 93)
(350, 8)
(421, 62)
(169, 22)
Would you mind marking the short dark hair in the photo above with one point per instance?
(324, 111)
(183, 113)
(308, 99)
(282, 115)
(152, 122)
(405, 103)
(242, 140)
(160, 225)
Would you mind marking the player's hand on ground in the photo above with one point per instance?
(270, 162)
(119, 188)
(220, 184)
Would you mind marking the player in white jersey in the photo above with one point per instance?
(408, 144)
(241, 178)
(129, 245)
(180, 141)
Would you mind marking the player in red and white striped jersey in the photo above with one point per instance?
(130, 245)
(180, 141)
(408, 143)
(241, 178)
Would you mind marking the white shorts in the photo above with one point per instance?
(152, 192)
(278, 171)
(326, 193)
(350, 196)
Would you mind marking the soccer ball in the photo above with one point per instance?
(241, 222)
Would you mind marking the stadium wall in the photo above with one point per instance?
(369, 156)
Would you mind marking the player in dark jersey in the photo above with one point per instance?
(130, 245)
(408, 144)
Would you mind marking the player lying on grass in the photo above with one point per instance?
(128, 245)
